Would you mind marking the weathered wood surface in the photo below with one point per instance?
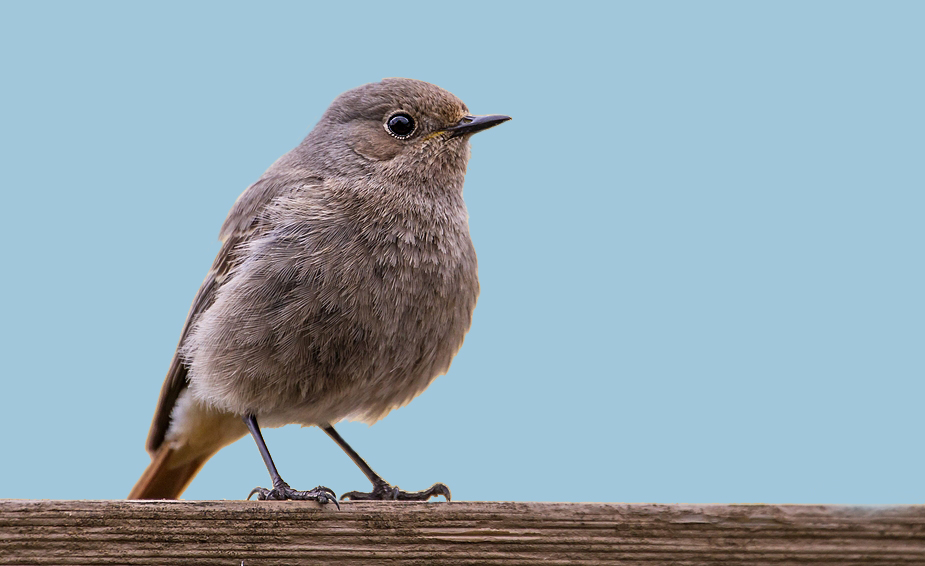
(256, 533)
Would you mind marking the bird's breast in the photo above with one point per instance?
(390, 319)
(336, 312)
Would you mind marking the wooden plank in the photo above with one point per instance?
(255, 533)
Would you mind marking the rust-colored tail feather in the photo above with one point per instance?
(162, 480)
(199, 433)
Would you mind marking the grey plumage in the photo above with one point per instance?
(345, 283)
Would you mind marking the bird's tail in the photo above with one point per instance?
(194, 438)
(163, 478)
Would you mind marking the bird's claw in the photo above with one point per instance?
(385, 492)
(320, 494)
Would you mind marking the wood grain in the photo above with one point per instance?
(257, 533)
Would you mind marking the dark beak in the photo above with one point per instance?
(473, 124)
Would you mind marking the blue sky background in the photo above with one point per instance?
(700, 241)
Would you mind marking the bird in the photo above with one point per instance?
(345, 284)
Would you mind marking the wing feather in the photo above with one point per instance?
(243, 222)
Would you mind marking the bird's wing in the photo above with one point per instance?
(243, 222)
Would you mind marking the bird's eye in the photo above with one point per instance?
(400, 125)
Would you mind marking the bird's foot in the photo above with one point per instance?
(282, 490)
(383, 491)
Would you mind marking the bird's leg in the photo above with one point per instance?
(281, 489)
(382, 490)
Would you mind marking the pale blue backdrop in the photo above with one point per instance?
(700, 241)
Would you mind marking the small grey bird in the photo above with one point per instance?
(345, 284)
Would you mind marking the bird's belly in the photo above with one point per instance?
(333, 339)
(377, 365)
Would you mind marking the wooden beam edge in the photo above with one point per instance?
(465, 532)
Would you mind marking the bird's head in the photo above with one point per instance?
(401, 129)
